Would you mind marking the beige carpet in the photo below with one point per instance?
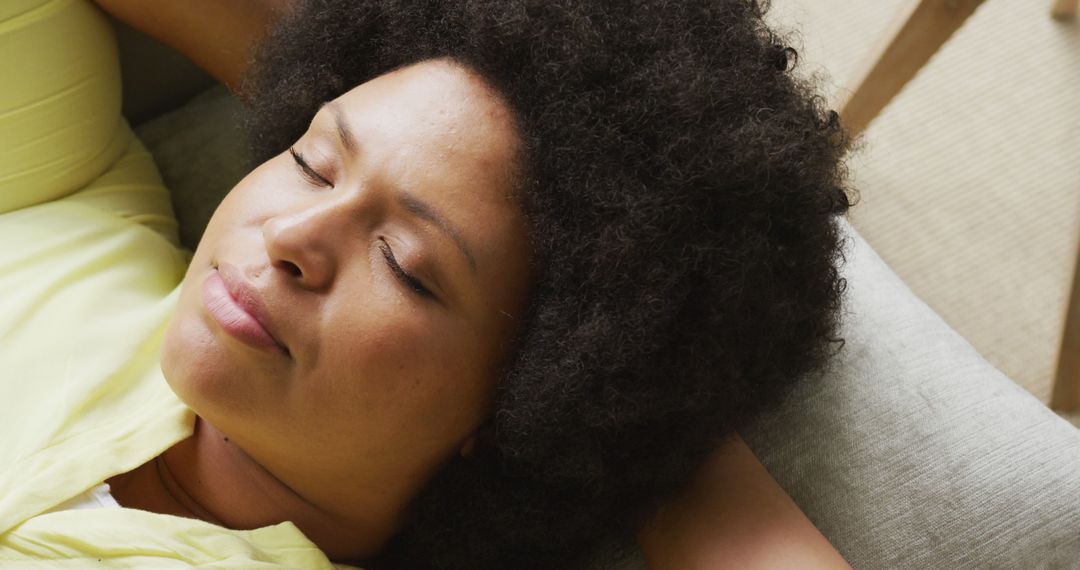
(970, 178)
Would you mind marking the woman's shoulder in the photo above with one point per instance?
(735, 515)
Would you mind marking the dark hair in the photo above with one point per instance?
(681, 188)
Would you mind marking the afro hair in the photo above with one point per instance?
(681, 188)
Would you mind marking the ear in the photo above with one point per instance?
(482, 437)
(469, 447)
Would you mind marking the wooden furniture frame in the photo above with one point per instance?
(1064, 9)
(919, 30)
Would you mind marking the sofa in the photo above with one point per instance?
(910, 452)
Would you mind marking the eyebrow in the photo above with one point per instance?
(344, 132)
(411, 203)
(422, 210)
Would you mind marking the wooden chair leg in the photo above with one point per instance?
(920, 28)
(1064, 9)
(1066, 393)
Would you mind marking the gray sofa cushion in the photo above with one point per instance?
(914, 452)
(910, 452)
(199, 150)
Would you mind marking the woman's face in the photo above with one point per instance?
(390, 259)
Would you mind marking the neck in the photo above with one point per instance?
(208, 477)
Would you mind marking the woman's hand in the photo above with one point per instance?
(735, 516)
(217, 35)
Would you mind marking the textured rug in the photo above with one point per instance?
(969, 181)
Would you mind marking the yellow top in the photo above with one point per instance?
(90, 268)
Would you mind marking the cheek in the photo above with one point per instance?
(397, 367)
(256, 197)
(374, 357)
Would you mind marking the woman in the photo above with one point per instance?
(504, 276)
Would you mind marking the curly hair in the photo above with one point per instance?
(681, 188)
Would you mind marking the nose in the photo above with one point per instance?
(306, 240)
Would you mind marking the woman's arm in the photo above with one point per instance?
(735, 516)
(218, 35)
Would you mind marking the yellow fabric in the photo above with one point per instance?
(90, 269)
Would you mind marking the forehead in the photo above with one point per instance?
(444, 117)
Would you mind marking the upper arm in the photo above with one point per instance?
(735, 515)
(217, 35)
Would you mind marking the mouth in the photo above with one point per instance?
(238, 309)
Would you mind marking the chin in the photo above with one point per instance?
(203, 374)
(177, 359)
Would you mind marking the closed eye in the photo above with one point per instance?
(414, 284)
(307, 171)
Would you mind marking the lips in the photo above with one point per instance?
(239, 310)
